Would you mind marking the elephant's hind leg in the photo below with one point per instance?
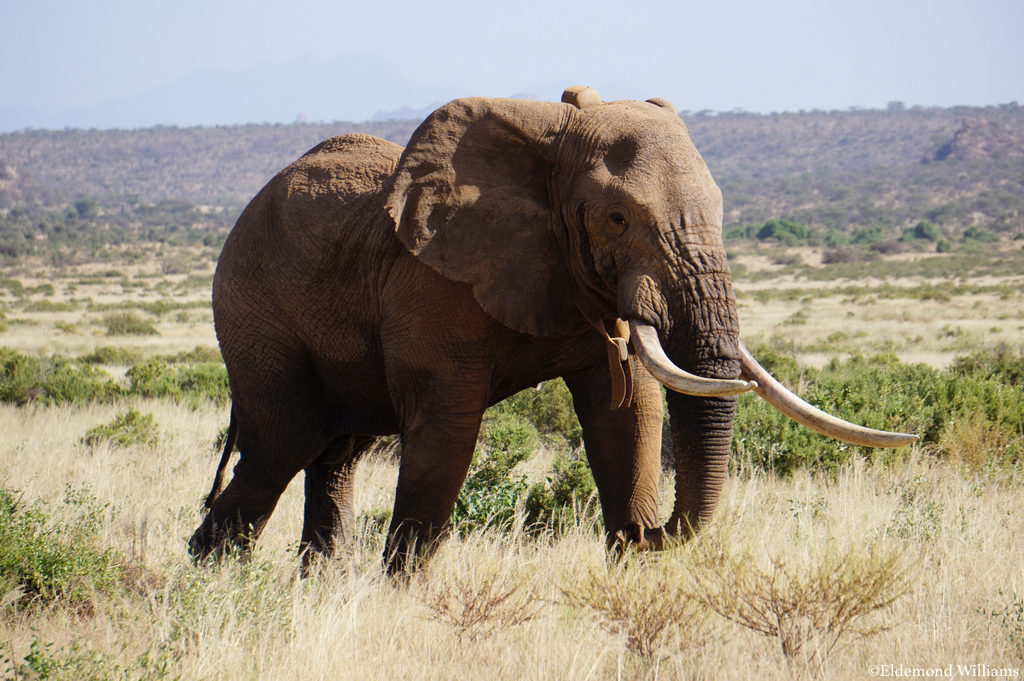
(330, 509)
(277, 438)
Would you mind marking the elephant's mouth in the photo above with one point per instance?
(753, 377)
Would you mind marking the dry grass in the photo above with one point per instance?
(926, 557)
(511, 606)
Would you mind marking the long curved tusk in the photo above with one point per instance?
(777, 395)
(648, 348)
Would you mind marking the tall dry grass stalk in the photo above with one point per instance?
(513, 605)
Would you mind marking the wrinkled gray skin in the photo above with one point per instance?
(369, 290)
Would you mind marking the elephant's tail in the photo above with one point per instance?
(229, 446)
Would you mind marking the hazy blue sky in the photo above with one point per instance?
(756, 55)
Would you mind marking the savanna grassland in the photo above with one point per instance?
(824, 560)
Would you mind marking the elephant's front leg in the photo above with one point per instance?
(330, 509)
(436, 454)
(439, 351)
(624, 451)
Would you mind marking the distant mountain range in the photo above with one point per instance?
(350, 87)
(845, 171)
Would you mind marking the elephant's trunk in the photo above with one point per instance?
(695, 354)
(702, 440)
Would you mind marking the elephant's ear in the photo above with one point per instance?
(470, 199)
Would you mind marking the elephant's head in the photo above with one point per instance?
(547, 208)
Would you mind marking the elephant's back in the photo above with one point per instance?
(345, 169)
(317, 209)
(304, 255)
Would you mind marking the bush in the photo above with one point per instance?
(808, 603)
(128, 429)
(882, 393)
(50, 306)
(476, 603)
(54, 381)
(549, 408)
(490, 495)
(156, 378)
(204, 381)
(62, 381)
(979, 235)
(112, 356)
(783, 230)
(50, 562)
(887, 247)
(1000, 363)
(839, 255)
(128, 324)
(198, 355)
(926, 230)
(639, 597)
(568, 488)
(868, 235)
(943, 246)
(153, 378)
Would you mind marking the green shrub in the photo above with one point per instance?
(50, 562)
(926, 230)
(198, 355)
(54, 381)
(156, 378)
(549, 408)
(923, 231)
(128, 324)
(50, 306)
(58, 380)
(45, 289)
(153, 378)
(128, 429)
(881, 393)
(868, 235)
(943, 246)
(490, 493)
(14, 286)
(112, 356)
(567, 489)
(784, 230)
(204, 381)
(65, 382)
(1000, 363)
(19, 374)
(979, 235)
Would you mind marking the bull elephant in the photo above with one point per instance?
(369, 290)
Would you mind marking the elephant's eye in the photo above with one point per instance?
(617, 218)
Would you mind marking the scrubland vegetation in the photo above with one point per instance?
(824, 559)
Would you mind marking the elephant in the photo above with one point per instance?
(370, 290)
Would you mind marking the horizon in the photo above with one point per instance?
(685, 113)
(109, 64)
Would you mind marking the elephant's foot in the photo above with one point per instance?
(214, 539)
(234, 523)
(316, 556)
(329, 513)
(410, 545)
(682, 528)
(636, 536)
